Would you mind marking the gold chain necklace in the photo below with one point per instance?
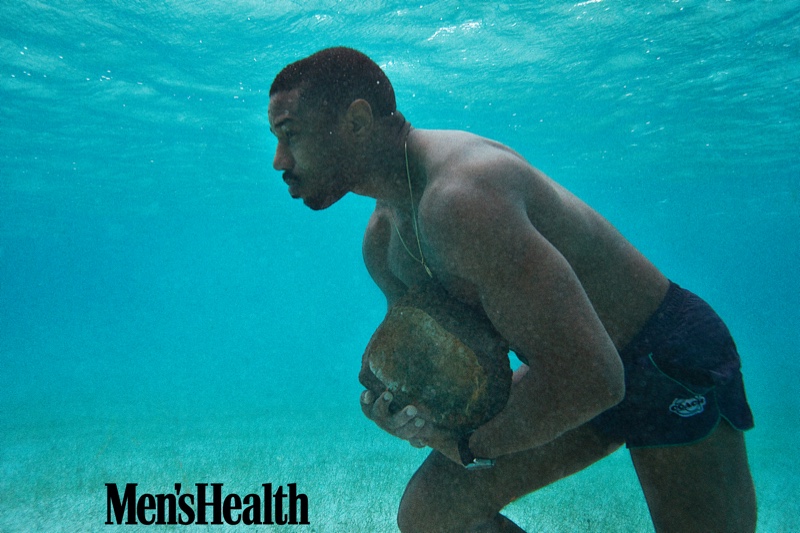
(421, 258)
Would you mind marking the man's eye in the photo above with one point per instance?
(286, 130)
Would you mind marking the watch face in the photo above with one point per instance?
(479, 464)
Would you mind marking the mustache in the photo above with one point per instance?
(289, 176)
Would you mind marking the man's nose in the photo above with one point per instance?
(283, 159)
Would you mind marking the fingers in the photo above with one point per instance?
(367, 399)
(406, 424)
(412, 423)
(380, 408)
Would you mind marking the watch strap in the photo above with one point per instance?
(468, 459)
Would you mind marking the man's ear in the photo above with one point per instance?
(359, 117)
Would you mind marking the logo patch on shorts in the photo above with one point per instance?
(687, 407)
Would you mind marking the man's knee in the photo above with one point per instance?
(405, 517)
(406, 521)
(415, 512)
(438, 499)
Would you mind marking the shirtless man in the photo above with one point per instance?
(615, 353)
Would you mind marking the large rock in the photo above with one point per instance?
(434, 351)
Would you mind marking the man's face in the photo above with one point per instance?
(308, 151)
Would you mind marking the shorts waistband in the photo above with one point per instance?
(654, 331)
(673, 302)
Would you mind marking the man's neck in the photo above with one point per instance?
(387, 168)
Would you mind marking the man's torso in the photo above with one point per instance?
(622, 285)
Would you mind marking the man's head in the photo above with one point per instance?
(332, 113)
(331, 79)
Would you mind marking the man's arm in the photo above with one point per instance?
(482, 234)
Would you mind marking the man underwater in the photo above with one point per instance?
(614, 352)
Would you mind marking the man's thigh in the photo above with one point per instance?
(443, 496)
(701, 487)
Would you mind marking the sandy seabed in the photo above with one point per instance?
(54, 466)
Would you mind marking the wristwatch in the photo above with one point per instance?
(468, 459)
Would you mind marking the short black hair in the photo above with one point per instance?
(331, 79)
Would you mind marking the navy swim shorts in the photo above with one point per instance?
(682, 373)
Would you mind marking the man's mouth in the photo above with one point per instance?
(293, 182)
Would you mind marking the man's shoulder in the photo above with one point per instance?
(456, 145)
(476, 176)
(458, 159)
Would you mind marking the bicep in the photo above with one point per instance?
(526, 286)
(537, 303)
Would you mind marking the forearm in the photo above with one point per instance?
(537, 412)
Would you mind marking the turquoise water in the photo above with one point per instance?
(168, 314)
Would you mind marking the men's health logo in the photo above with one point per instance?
(688, 407)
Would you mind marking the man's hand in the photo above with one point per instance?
(410, 423)
(406, 424)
